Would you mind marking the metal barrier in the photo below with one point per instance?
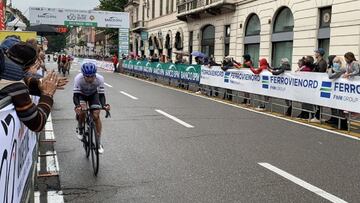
(274, 105)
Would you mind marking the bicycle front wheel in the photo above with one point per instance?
(94, 142)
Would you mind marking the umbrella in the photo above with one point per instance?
(43, 30)
(198, 54)
(184, 53)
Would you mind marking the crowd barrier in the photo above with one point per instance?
(189, 73)
(304, 87)
(313, 88)
(17, 154)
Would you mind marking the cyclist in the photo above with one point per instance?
(89, 87)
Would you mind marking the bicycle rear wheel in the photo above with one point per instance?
(94, 142)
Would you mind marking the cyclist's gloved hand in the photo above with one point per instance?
(107, 107)
(78, 109)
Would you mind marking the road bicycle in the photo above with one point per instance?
(90, 140)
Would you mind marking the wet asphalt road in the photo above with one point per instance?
(151, 158)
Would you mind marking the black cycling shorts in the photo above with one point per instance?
(93, 100)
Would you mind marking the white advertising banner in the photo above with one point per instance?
(17, 145)
(89, 18)
(313, 88)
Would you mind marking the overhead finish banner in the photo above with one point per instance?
(72, 17)
(16, 149)
(313, 88)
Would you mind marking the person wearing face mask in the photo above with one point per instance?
(335, 70)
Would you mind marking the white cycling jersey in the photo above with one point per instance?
(87, 89)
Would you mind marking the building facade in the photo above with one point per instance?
(271, 29)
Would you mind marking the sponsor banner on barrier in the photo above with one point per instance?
(313, 88)
(177, 71)
(190, 72)
(17, 145)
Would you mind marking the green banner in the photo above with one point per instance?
(79, 23)
(177, 71)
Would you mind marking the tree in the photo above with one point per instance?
(56, 43)
(112, 5)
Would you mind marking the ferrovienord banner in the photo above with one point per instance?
(17, 143)
(313, 88)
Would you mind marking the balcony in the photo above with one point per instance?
(138, 26)
(196, 9)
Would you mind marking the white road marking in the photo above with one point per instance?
(247, 109)
(129, 95)
(49, 135)
(37, 197)
(52, 164)
(174, 118)
(107, 84)
(298, 181)
(55, 197)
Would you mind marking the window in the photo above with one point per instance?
(168, 45)
(178, 41)
(325, 17)
(253, 51)
(167, 6)
(208, 40)
(253, 26)
(324, 29)
(161, 7)
(151, 46)
(282, 37)
(284, 21)
(227, 31)
(281, 50)
(171, 6)
(136, 47)
(252, 38)
(153, 9)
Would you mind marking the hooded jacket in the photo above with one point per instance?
(281, 69)
(262, 66)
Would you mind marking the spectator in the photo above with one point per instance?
(155, 58)
(308, 64)
(284, 66)
(263, 65)
(168, 59)
(301, 64)
(115, 61)
(352, 66)
(335, 70)
(8, 42)
(229, 63)
(179, 59)
(336, 67)
(320, 64)
(33, 116)
(199, 60)
(247, 63)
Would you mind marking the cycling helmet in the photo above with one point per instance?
(88, 69)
